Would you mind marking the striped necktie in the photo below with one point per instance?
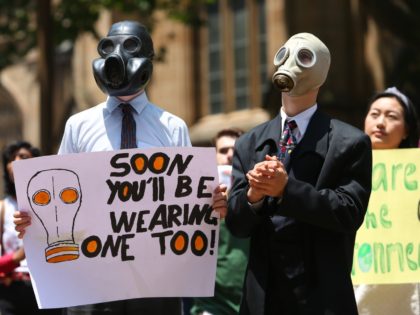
(128, 127)
(288, 140)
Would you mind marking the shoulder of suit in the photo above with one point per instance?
(251, 137)
(257, 129)
(345, 133)
(344, 127)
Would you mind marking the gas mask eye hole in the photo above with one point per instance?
(41, 197)
(305, 58)
(281, 56)
(69, 195)
(106, 47)
(132, 45)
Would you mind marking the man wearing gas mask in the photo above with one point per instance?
(125, 120)
(122, 72)
(301, 186)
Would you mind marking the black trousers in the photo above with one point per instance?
(18, 298)
(146, 306)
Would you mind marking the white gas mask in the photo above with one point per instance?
(55, 197)
(302, 64)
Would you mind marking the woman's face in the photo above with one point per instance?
(384, 123)
(21, 154)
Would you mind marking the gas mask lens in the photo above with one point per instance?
(105, 47)
(305, 57)
(281, 56)
(132, 45)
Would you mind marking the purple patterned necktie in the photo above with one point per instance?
(128, 127)
(288, 140)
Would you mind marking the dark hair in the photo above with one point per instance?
(228, 132)
(410, 116)
(9, 153)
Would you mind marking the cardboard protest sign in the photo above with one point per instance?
(387, 248)
(120, 224)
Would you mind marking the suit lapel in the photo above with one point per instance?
(267, 142)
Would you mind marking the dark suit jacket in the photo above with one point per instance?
(326, 195)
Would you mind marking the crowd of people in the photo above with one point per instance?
(296, 193)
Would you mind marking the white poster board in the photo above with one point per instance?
(119, 225)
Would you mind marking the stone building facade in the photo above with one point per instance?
(214, 76)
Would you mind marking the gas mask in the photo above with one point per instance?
(125, 66)
(55, 197)
(302, 64)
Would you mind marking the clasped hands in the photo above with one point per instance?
(267, 178)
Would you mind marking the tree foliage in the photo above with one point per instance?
(401, 17)
(400, 20)
(73, 17)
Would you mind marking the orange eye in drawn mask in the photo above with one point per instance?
(41, 197)
(69, 195)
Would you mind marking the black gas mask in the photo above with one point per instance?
(125, 66)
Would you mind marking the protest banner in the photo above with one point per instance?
(120, 224)
(387, 248)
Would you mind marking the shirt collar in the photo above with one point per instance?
(138, 103)
(302, 119)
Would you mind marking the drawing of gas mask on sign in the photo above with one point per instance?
(55, 197)
(125, 66)
(302, 64)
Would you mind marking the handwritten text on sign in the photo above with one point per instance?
(387, 248)
(146, 214)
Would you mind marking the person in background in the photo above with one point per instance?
(391, 123)
(16, 292)
(224, 142)
(233, 252)
(301, 187)
(127, 119)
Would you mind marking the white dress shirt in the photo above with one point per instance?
(99, 128)
(302, 120)
(11, 242)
